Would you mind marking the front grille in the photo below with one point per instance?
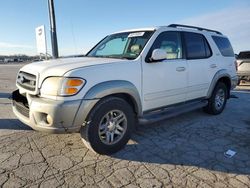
(20, 103)
(21, 109)
(26, 80)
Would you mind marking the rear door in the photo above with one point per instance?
(198, 55)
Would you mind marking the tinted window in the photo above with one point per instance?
(169, 41)
(208, 49)
(244, 55)
(224, 46)
(196, 46)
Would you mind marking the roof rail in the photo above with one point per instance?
(193, 27)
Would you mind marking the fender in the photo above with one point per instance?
(115, 87)
(104, 89)
(221, 73)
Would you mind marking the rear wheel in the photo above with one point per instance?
(218, 100)
(110, 126)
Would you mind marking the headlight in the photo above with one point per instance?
(62, 86)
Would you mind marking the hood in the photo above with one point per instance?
(58, 67)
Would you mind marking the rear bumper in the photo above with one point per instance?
(49, 115)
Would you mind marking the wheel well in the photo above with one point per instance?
(227, 82)
(128, 98)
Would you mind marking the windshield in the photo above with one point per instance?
(244, 55)
(126, 45)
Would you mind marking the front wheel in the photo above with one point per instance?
(218, 100)
(109, 126)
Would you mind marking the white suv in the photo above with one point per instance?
(143, 75)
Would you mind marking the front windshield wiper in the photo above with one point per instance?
(111, 56)
(129, 58)
(120, 57)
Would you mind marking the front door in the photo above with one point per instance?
(165, 82)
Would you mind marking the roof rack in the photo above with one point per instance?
(193, 27)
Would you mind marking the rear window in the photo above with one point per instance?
(224, 46)
(244, 55)
(197, 46)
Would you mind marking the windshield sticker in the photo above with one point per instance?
(137, 34)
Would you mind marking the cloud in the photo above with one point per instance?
(10, 45)
(233, 22)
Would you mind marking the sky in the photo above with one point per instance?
(82, 23)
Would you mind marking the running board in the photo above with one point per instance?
(173, 111)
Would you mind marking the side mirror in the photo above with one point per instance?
(158, 55)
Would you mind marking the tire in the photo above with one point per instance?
(109, 126)
(218, 100)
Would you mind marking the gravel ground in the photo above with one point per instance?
(186, 151)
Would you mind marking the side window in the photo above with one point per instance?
(244, 55)
(224, 46)
(170, 41)
(197, 46)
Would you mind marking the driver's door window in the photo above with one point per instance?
(170, 42)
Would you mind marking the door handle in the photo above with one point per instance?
(180, 69)
(213, 66)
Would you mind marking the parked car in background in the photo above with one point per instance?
(243, 65)
(8, 60)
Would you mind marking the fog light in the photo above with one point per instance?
(49, 119)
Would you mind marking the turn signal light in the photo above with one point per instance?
(71, 90)
(74, 82)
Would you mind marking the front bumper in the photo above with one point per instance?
(50, 115)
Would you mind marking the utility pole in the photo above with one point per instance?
(52, 20)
